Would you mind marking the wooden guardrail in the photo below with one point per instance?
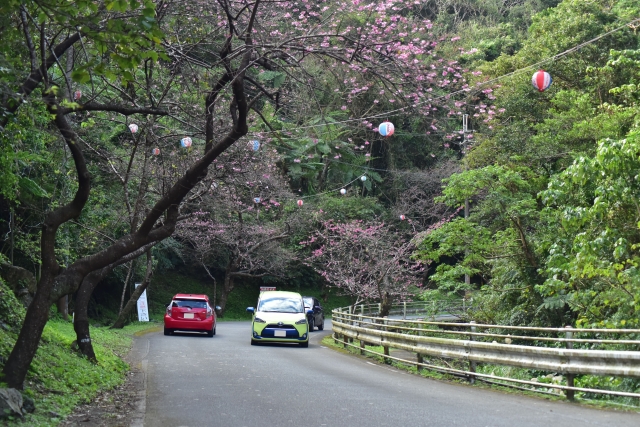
(545, 349)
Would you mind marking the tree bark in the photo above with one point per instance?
(63, 306)
(126, 283)
(227, 287)
(36, 77)
(37, 315)
(157, 225)
(81, 317)
(122, 317)
(385, 305)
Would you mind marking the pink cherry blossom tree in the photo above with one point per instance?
(370, 262)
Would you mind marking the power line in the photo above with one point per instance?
(479, 85)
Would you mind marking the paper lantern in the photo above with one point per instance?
(133, 128)
(254, 145)
(343, 191)
(363, 178)
(402, 217)
(386, 129)
(300, 203)
(77, 95)
(541, 80)
(186, 142)
(256, 199)
(156, 151)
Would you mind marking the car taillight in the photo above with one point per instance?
(169, 311)
(209, 312)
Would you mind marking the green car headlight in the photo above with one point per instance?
(259, 320)
(301, 321)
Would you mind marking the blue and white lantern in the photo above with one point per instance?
(254, 145)
(386, 129)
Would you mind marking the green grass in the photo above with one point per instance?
(60, 378)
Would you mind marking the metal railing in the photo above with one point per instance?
(566, 351)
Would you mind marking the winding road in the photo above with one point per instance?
(193, 380)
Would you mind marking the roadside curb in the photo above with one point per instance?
(137, 359)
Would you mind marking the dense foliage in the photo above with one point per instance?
(280, 102)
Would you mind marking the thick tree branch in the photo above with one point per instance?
(36, 77)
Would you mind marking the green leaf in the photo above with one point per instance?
(80, 76)
(32, 187)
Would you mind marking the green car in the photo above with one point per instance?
(279, 317)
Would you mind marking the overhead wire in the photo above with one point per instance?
(478, 87)
(478, 84)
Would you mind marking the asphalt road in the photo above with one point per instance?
(224, 381)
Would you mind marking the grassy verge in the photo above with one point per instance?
(626, 404)
(59, 377)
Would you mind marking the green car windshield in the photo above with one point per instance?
(281, 305)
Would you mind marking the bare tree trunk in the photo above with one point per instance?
(124, 287)
(81, 316)
(54, 282)
(63, 307)
(224, 295)
(386, 302)
(215, 283)
(119, 323)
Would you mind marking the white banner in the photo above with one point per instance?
(143, 308)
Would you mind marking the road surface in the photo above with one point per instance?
(225, 382)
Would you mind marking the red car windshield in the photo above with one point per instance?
(189, 303)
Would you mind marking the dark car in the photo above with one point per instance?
(317, 318)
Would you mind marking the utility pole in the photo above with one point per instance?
(465, 122)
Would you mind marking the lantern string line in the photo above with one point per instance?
(333, 190)
(477, 89)
(479, 85)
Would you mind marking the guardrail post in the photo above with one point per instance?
(352, 312)
(419, 357)
(344, 336)
(404, 310)
(569, 393)
(472, 364)
(386, 347)
(336, 317)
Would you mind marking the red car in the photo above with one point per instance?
(190, 312)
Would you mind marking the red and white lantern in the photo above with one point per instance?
(186, 142)
(402, 217)
(77, 95)
(133, 128)
(156, 151)
(300, 203)
(541, 80)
